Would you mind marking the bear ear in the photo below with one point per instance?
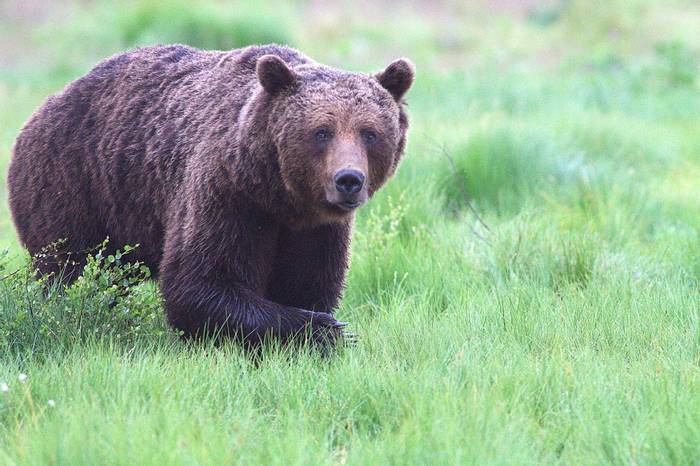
(397, 77)
(274, 74)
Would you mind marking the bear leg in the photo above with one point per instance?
(309, 268)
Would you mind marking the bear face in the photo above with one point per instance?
(338, 136)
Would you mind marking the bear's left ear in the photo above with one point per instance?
(397, 77)
(274, 74)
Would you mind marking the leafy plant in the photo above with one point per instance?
(109, 300)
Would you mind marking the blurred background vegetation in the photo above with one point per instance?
(516, 102)
(66, 36)
(484, 67)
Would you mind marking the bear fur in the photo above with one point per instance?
(223, 168)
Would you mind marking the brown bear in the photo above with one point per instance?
(236, 173)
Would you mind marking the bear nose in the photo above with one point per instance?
(349, 181)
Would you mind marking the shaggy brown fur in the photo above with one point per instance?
(235, 172)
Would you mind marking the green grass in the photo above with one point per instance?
(526, 290)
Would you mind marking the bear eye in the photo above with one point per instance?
(322, 135)
(369, 136)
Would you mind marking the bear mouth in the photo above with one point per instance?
(347, 206)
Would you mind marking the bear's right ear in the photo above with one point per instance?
(274, 74)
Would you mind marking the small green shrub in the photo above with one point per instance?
(109, 300)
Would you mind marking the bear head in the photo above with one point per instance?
(338, 136)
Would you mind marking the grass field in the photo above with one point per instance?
(526, 289)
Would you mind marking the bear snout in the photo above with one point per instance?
(348, 182)
(348, 189)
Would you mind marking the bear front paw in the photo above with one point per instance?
(325, 332)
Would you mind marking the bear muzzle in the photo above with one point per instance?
(349, 189)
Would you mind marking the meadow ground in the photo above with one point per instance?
(526, 290)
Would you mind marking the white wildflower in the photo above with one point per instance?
(4, 388)
(51, 403)
(22, 378)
